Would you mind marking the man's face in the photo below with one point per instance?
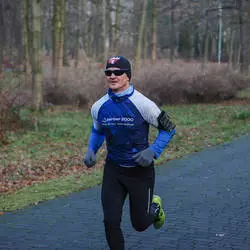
(117, 83)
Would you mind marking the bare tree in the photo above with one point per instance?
(64, 34)
(58, 38)
(37, 74)
(154, 18)
(172, 46)
(117, 14)
(104, 26)
(26, 43)
(243, 36)
(141, 30)
(79, 14)
(206, 37)
(1, 37)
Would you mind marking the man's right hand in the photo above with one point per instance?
(89, 158)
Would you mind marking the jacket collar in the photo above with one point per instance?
(119, 97)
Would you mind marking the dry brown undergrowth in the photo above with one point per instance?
(163, 82)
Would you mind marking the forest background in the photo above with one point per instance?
(189, 56)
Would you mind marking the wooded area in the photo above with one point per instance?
(191, 57)
(66, 30)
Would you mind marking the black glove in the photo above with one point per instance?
(89, 158)
(144, 158)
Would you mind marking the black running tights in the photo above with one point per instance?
(118, 182)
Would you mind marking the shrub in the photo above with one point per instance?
(12, 96)
(243, 115)
(77, 87)
(183, 82)
(163, 82)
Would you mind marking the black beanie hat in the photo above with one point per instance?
(121, 63)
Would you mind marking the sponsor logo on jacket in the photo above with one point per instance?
(119, 121)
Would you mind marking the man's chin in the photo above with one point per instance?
(113, 86)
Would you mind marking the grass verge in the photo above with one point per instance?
(32, 195)
(44, 161)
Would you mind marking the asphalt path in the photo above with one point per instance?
(206, 196)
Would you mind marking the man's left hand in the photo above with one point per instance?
(144, 158)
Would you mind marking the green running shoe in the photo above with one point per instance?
(160, 219)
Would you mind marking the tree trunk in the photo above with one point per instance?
(58, 35)
(26, 43)
(172, 33)
(86, 40)
(104, 29)
(206, 38)
(243, 37)
(92, 46)
(238, 55)
(154, 17)
(145, 43)
(56, 28)
(1, 38)
(61, 41)
(37, 76)
(206, 44)
(117, 15)
(141, 29)
(220, 33)
(231, 50)
(192, 42)
(65, 52)
(213, 47)
(110, 25)
(78, 25)
(98, 31)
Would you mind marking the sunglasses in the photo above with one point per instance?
(116, 72)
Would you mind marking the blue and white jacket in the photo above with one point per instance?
(123, 119)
